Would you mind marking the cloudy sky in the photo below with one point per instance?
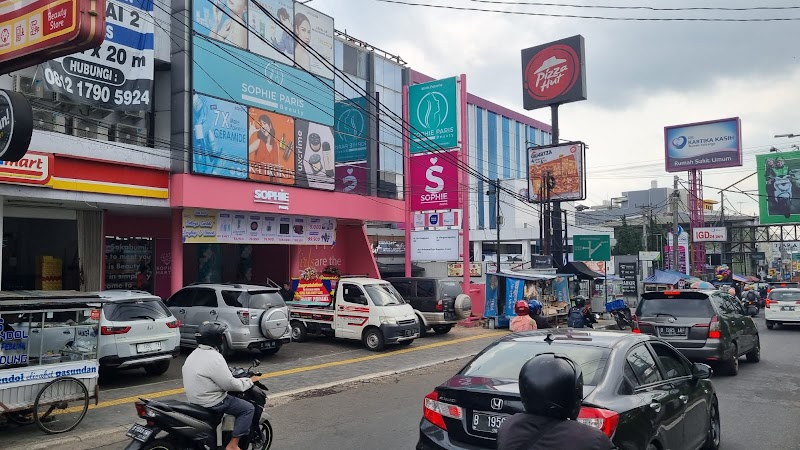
(641, 75)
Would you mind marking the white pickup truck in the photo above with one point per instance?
(366, 309)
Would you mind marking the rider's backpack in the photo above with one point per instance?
(575, 318)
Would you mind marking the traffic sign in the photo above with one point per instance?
(591, 247)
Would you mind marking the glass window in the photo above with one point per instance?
(338, 54)
(643, 365)
(403, 288)
(205, 298)
(630, 375)
(426, 288)
(233, 298)
(677, 307)
(136, 310)
(182, 298)
(671, 362)
(451, 288)
(265, 300)
(784, 296)
(383, 294)
(353, 294)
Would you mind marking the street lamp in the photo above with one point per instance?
(790, 135)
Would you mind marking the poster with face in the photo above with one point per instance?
(223, 20)
(270, 147)
(219, 144)
(314, 30)
(314, 153)
(268, 37)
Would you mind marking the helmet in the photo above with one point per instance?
(535, 306)
(210, 333)
(732, 291)
(521, 308)
(580, 301)
(551, 385)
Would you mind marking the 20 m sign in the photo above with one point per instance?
(118, 75)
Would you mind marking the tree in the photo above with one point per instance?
(629, 240)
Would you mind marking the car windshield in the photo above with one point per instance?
(451, 289)
(136, 310)
(505, 359)
(383, 294)
(265, 300)
(675, 307)
(785, 296)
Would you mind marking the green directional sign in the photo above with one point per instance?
(432, 109)
(591, 247)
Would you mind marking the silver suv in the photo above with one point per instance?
(256, 316)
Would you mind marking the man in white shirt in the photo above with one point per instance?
(207, 380)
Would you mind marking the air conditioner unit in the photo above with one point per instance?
(133, 115)
(29, 86)
(89, 130)
(127, 134)
(49, 121)
(61, 98)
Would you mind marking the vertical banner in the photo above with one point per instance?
(267, 38)
(219, 137)
(313, 29)
(352, 178)
(314, 152)
(352, 132)
(271, 147)
(118, 75)
(163, 269)
(629, 282)
(433, 115)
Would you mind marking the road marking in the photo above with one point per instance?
(301, 369)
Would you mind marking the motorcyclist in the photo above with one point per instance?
(207, 380)
(551, 390)
(535, 307)
(522, 322)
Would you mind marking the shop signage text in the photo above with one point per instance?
(628, 273)
(16, 125)
(280, 198)
(33, 168)
(433, 107)
(709, 234)
(554, 73)
(202, 226)
(434, 181)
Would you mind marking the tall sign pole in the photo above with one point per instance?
(409, 216)
(464, 177)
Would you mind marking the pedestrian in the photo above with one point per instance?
(535, 307)
(551, 390)
(287, 292)
(522, 322)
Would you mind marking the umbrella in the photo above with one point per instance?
(702, 285)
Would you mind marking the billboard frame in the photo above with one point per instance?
(582, 170)
(737, 163)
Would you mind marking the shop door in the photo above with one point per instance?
(352, 311)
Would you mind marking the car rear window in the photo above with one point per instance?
(265, 300)
(785, 296)
(136, 310)
(677, 307)
(451, 289)
(505, 359)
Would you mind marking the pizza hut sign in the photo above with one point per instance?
(553, 73)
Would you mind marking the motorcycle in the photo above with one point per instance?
(751, 307)
(185, 426)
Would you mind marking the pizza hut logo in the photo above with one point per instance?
(552, 72)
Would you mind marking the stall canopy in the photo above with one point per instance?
(666, 277)
(526, 276)
(582, 271)
(739, 278)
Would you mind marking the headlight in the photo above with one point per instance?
(388, 320)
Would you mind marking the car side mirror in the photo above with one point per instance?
(701, 371)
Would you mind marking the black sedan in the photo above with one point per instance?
(638, 390)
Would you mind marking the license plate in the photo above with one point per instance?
(787, 308)
(487, 423)
(673, 331)
(267, 344)
(409, 333)
(148, 347)
(139, 432)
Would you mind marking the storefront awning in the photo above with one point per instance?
(740, 278)
(582, 271)
(666, 277)
(526, 276)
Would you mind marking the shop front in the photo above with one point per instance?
(232, 231)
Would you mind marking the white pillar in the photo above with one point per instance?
(477, 250)
(526, 252)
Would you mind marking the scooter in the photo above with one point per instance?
(173, 424)
(751, 307)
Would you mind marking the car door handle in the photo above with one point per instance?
(182, 311)
(213, 313)
(655, 406)
(67, 332)
(684, 399)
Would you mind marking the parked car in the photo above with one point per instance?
(638, 390)
(782, 307)
(708, 326)
(256, 316)
(439, 304)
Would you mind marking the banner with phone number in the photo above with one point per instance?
(118, 75)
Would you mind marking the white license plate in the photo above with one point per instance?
(787, 308)
(139, 432)
(673, 331)
(148, 347)
(487, 423)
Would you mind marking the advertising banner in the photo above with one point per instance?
(352, 130)
(316, 167)
(433, 111)
(129, 264)
(492, 284)
(235, 227)
(457, 269)
(627, 271)
(445, 220)
(352, 178)
(223, 71)
(318, 291)
(709, 234)
(219, 139)
(163, 268)
(554, 73)
(315, 30)
(778, 187)
(703, 145)
(683, 253)
(434, 245)
(118, 75)
(224, 21)
(266, 37)
(649, 256)
(24, 376)
(565, 162)
(434, 181)
(270, 147)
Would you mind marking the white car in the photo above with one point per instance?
(782, 306)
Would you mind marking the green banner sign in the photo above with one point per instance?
(590, 247)
(352, 129)
(778, 187)
(433, 108)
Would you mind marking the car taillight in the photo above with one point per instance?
(143, 411)
(244, 316)
(713, 328)
(768, 302)
(107, 331)
(439, 305)
(435, 411)
(635, 324)
(602, 419)
(174, 324)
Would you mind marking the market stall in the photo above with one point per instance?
(505, 288)
(592, 284)
(663, 280)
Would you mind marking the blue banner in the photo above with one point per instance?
(490, 309)
(352, 129)
(231, 73)
(514, 291)
(219, 137)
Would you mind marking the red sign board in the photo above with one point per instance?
(554, 73)
(33, 168)
(33, 31)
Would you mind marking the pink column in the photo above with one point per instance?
(409, 220)
(464, 180)
(176, 250)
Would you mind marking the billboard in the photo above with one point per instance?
(709, 234)
(314, 29)
(352, 129)
(352, 178)
(778, 187)
(316, 167)
(434, 181)
(434, 245)
(117, 75)
(226, 22)
(205, 226)
(219, 141)
(565, 162)
(554, 73)
(433, 115)
(703, 145)
(270, 147)
(266, 37)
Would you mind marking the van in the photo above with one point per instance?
(439, 304)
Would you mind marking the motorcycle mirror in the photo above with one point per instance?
(256, 363)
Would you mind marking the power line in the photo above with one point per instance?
(647, 8)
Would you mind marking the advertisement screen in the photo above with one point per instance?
(267, 38)
(225, 21)
(565, 162)
(705, 145)
(352, 131)
(313, 29)
(778, 187)
(270, 147)
(315, 160)
(219, 138)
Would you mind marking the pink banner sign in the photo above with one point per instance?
(163, 268)
(434, 181)
(352, 178)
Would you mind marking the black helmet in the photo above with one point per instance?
(210, 333)
(580, 301)
(552, 386)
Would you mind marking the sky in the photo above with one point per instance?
(641, 75)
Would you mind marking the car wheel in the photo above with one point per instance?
(770, 324)
(732, 366)
(373, 340)
(158, 368)
(225, 349)
(271, 351)
(714, 436)
(406, 343)
(754, 355)
(423, 329)
(652, 446)
(442, 329)
(299, 331)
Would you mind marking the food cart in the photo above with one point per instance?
(48, 357)
(505, 288)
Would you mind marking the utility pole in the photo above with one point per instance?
(645, 219)
(498, 219)
(675, 199)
